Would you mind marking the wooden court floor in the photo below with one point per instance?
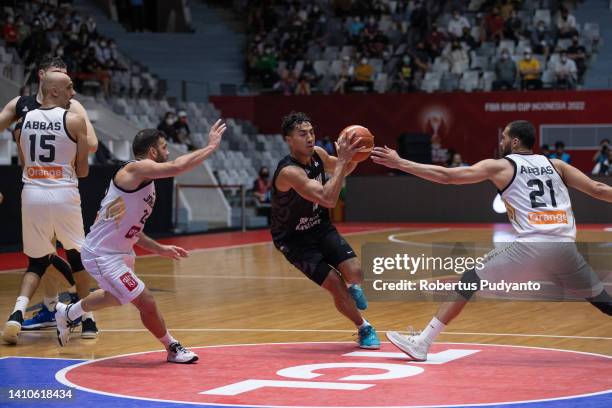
(250, 294)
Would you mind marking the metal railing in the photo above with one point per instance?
(177, 199)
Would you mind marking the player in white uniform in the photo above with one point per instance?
(13, 111)
(534, 190)
(108, 253)
(53, 150)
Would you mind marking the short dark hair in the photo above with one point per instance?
(545, 147)
(559, 144)
(291, 120)
(144, 140)
(55, 62)
(523, 131)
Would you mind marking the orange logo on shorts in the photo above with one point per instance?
(45, 172)
(547, 217)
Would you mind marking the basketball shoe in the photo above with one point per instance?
(368, 339)
(12, 327)
(41, 319)
(179, 354)
(411, 345)
(64, 324)
(89, 330)
(357, 293)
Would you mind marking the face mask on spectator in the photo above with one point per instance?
(364, 61)
(9, 20)
(406, 60)
(103, 44)
(59, 52)
(170, 120)
(541, 27)
(527, 55)
(504, 56)
(564, 58)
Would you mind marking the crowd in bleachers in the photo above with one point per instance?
(34, 30)
(299, 47)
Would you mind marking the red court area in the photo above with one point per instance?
(340, 375)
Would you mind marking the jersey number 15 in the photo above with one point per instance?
(44, 147)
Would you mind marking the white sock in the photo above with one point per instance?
(88, 315)
(167, 340)
(364, 324)
(429, 334)
(76, 310)
(21, 304)
(50, 302)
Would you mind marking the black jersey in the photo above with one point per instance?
(26, 104)
(293, 215)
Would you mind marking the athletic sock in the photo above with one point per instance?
(76, 311)
(21, 304)
(167, 340)
(88, 315)
(429, 334)
(50, 302)
(364, 324)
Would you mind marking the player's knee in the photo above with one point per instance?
(470, 284)
(38, 265)
(74, 259)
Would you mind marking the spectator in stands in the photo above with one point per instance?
(355, 29)
(457, 161)
(345, 76)
(418, 23)
(287, 83)
(404, 82)
(183, 134)
(166, 126)
(541, 39)
(513, 27)
(565, 72)
(262, 187)
(493, 26)
(458, 59)
(378, 44)
(10, 33)
(364, 73)
(530, 71)
(137, 15)
(456, 24)
(505, 71)
(566, 24)
(545, 150)
(421, 59)
(506, 9)
(36, 46)
(601, 157)
(560, 153)
(326, 144)
(468, 40)
(436, 40)
(578, 54)
(266, 66)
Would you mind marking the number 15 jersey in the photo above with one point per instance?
(49, 151)
(121, 217)
(537, 200)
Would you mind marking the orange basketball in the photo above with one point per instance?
(366, 142)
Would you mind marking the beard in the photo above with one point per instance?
(505, 150)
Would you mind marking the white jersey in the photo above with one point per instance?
(110, 236)
(49, 151)
(538, 201)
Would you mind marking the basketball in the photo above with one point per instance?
(367, 141)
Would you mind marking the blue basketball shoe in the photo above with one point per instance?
(368, 339)
(357, 293)
(41, 319)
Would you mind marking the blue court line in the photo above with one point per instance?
(39, 373)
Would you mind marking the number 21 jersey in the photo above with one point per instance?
(537, 200)
(121, 217)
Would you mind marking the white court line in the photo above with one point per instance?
(198, 250)
(352, 331)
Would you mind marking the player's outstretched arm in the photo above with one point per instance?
(92, 140)
(8, 114)
(169, 251)
(292, 177)
(75, 125)
(580, 181)
(481, 171)
(149, 169)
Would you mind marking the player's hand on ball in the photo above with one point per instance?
(346, 147)
(174, 252)
(386, 156)
(215, 133)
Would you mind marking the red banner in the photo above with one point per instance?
(469, 123)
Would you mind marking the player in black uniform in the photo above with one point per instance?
(301, 228)
(13, 112)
